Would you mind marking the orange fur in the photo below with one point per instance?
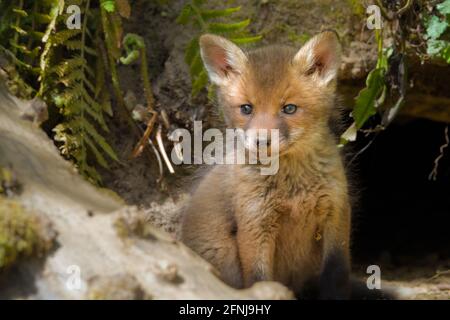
(279, 227)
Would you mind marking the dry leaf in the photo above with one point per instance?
(123, 8)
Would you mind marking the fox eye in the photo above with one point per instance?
(246, 108)
(289, 108)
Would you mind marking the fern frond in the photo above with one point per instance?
(69, 79)
(35, 39)
(68, 66)
(19, 30)
(197, 65)
(98, 155)
(20, 12)
(204, 19)
(186, 13)
(210, 14)
(63, 36)
(199, 83)
(100, 140)
(191, 51)
(228, 27)
(41, 18)
(246, 40)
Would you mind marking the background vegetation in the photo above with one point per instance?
(75, 71)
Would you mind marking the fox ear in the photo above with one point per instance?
(221, 57)
(320, 57)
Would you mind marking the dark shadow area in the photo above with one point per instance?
(402, 217)
(20, 280)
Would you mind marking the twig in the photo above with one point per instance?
(378, 128)
(438, 274)
(405, 8)
(146, 136)
(150, 104)
(391, 113)
(158, 157)
(162, 150)
(391, 15)
(434, 172)
(146, 81)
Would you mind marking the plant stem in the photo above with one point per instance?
(112, 65)
(146, 81)
(16, 34)
(125, 113)
(83, 43)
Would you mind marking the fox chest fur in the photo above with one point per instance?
(291, 208)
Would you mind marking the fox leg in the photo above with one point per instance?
(223, 254)
(209, 229)
(256, 244)
(334, 282)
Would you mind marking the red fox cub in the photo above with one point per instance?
(293, 226)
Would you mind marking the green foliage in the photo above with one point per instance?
(55, 63)
(389, 77)
(21, 29)
(436, 27)
(108, 5)
(74, 88)
(372, 96)
(9, 184)
(357, 7)
(437, 32)
(444, 7)
(133, 44)
(210, 21)
(366, 101)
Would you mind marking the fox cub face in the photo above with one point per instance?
(275, 87)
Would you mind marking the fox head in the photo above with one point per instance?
(275, 87)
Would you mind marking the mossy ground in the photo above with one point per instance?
(20, 234)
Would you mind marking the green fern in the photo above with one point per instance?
(56, 64)
(77, 98)
(206, 22)
(22, 25)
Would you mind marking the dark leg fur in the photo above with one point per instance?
(334, 282)
(359, 291)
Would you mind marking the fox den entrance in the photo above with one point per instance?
(401, 217)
